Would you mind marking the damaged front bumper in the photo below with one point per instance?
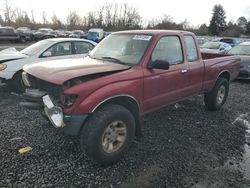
(70, 124)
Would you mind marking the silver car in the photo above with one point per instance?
(243, 50)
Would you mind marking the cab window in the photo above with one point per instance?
(168, 49)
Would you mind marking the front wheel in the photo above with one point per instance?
(215, 99)
(107, 134)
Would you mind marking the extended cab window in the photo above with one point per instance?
(191, 49)
(168, 49)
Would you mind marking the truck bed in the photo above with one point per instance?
(215, 64)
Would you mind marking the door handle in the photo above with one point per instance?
(184, 71)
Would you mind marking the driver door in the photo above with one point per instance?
(162, 87)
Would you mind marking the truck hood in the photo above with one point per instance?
(10, 54)
(60, 71)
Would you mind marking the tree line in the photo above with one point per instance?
(110, 17)
(115, 17)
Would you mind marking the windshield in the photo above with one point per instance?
(37, 47)
(211, 45)
(122, 48)
(92, 33)
(240, 50)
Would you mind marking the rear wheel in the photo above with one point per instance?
(215, 99)
(107, 134)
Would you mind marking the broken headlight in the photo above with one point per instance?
(2, 67)
(68, 100)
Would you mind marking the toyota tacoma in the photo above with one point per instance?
(101, 98)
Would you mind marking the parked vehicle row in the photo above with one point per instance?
(10, 34)
(100, 98)
(215, 47)
(23, 34)
(12, 61)
(230, 46)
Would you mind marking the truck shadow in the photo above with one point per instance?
(186, 146)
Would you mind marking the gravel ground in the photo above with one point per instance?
(183, 145)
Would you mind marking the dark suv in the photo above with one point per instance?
(10, 34)
(232, 41)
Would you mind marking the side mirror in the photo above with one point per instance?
(159, 64)
(47, 54)
(221, 49)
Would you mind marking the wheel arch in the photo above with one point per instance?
(128, 102)
(224, 74)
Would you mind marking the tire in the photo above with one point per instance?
(215, 99)
(17, 84)
(97, 133)
(23, 39)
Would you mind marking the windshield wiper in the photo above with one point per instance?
(114, 59)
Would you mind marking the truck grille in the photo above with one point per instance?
(35, 83)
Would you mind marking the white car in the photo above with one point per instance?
(12, 61)
(215, 47)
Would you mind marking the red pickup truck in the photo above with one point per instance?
(101, 98)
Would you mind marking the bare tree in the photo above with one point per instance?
(108, 15)
(56, 22)
(21, 18)
(115, 17)
(45, 22)
(9, 13)
(91, 19)
(153, 23)
(73, 20)
(1, 21)
(32, 17)
(129, 18)
(100, 17)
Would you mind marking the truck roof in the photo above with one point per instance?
(153, 32)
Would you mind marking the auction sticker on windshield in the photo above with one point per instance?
(142, 37)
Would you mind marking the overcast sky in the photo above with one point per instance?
(195, 11)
